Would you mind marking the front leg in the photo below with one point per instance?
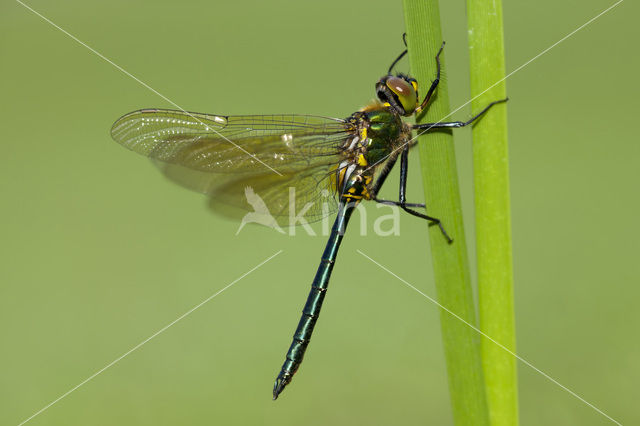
(434, 83)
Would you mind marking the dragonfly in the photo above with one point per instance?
(332, 164)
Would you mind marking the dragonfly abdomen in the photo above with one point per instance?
(312, 307)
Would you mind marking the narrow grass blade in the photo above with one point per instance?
(450, 262)
(492, 210)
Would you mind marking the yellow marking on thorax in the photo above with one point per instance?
(362, 161)
(365, 191)
(351, 196)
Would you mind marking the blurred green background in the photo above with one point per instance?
(99, 251)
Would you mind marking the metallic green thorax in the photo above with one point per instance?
(385, 131)
(382, 131)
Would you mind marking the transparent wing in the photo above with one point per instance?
(230, 158)
(232, 144)
(307, 193)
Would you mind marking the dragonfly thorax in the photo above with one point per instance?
(378, 131)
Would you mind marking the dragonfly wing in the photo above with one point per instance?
(232, 158)
(305, 193)
(233, 144)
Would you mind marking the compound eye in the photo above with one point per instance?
(405, 92)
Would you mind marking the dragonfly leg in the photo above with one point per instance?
(457, 124)
(373, 191)
(434, 83)
(393, 64)
(397, 203)
(404, 168)
(402, 203)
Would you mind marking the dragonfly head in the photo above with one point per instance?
(400, 92)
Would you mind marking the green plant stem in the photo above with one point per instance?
(492, 210)
(450, 262)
